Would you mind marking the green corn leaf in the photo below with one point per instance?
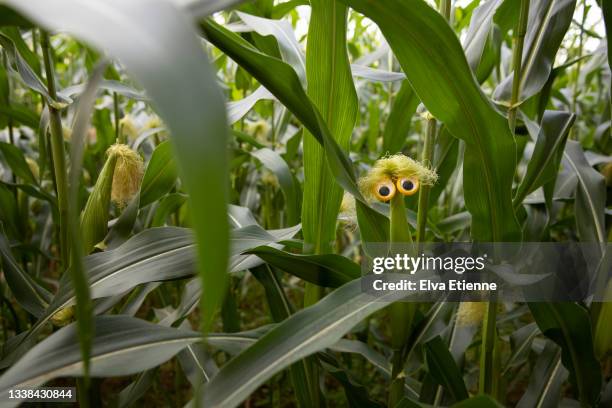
(282, 30)
(375, 75)
(547, 25)
(122, 346)
(237, 109)
(160, 175)
(27, 73)
(132, 393)
(281, 309)
(14, 33)
(435, 65)
(479, 401)
(167, 205)
(602, 336)
(154, 255)
(544, 163)
(521, 341)
(606, 8)
(445, 162)
(568, 324)
(357, 394)
(199, 135)
(108, 85)
(20, 113)
(277, 165)
(9, 216)
(304, 333)
(29, 294)
(481, 47)
(548, 375)
(16, 161)
(590, 195)
(9, 17)
(280, 79)
(328, 270)
(331, 89)
(124, 224)
(400, 118)
(78, 277)
(443, 369)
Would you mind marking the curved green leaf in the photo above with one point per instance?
(548, 375)
(282, 30)
(27, 73)
(435, 65)
(548, 22)
(376, 75)
(237, 109)
(400, 118)
(160, 175)
(156, 254)
(281, 308)
(479, 401)
(123, 345)
(276, 164)
(568, 324)
(179, 93)
(108, 85)
(332, 91)
(590, 195)
(482, 48)
(544, 163)
(327, 270)
(29, 294)
(304, 333)
(16, 161)
(443, 369)
(281, 80)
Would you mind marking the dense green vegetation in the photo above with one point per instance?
(187, 189)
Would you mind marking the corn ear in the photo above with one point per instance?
(94, 219)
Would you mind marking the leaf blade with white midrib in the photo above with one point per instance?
(304, 333)
(123, 345)
(544, 162)
(31, 296)
(329, 270)
(590, 195)
(156, 254)
(154, 28)
(568, 324)
(281, 80)
(332, 91)
(160, 175)
(547, 25)
(435, 65)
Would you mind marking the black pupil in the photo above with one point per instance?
(407, 185)
(384, 191)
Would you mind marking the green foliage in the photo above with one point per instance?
(252, 126)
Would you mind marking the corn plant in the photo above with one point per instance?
(188, 189)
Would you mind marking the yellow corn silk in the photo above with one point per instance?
(128, 128)
(128, 173)
(470, 313)
(397, 173)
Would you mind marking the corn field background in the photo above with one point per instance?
(181, 219)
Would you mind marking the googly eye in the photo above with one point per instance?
(408, 186)
(385, 190)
